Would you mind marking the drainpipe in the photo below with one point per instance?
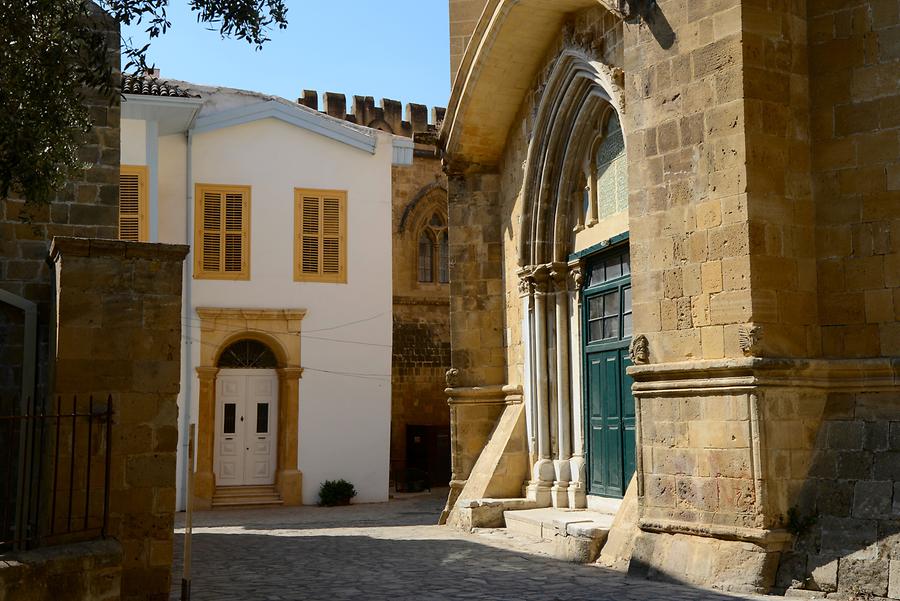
(186, 397)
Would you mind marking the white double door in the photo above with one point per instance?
(246, 426)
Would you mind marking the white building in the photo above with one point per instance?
(287, 300)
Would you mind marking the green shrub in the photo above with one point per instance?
(336, 492)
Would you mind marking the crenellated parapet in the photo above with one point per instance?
(389, 115)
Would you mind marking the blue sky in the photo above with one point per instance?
(393, 49)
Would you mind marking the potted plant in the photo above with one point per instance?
(336, 492)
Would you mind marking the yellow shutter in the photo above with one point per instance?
(133, 223)
(311, 233)
(222, 232)
(320, 236)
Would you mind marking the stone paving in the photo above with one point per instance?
(388, 551)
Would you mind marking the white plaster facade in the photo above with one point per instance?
(231, 137)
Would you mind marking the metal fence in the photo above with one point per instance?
(54, 472)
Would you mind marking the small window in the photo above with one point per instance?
(222, 232)
(134, 224)
(445, 257)
(434, 251)
(426, 258)
(320, 236)
(229, 418)
(262, 418)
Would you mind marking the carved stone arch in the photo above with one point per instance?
(430, 194)
(577, 93)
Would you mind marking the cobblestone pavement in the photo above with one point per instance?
(388, 551)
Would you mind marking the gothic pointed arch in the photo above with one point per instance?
(579, 98)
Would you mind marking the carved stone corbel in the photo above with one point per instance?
(750, 339)
(639, 350)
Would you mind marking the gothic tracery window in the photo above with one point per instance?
(433, 245)
(610, 173)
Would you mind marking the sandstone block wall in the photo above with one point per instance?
(118, 313)
(79, 572)
(846, 513)
(87, 206)
(421, 310)
(684, 126)
(464, 15)
(855, 133)
(476, 280)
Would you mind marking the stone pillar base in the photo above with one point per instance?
(559, 494)
(577, 495)
(289, 484)
(456, 487)
(204, 486)
(538, 492)
(731, 565)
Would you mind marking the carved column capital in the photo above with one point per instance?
(526, 282)
(559, 273)
(541, 277)
(207, 374)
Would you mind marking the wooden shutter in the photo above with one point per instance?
(222, 238)
(320, 235)
(133, 223)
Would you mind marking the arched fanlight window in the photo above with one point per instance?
(247, 354)
(434, 251)
(610, 171)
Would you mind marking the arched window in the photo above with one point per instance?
(434, 251)
(247, 354)
(426, 257)
(610, 172)
(445, 257)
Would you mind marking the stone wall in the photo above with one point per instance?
(477, 319)
(854, 53)
(762, 144)
(421, 313)
(87, 206)
(81, 572)
(118, 313)
(463, 17)
(846, 516)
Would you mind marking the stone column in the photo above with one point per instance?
(288, 479)
(577, 490)
(204, 478)
(538, 489)
(119, 335)
(559, 492)
(526, 294)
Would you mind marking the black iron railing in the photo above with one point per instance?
(54, 479)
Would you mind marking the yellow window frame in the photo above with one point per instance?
(143, 213)
(320, 275)
(200, 272)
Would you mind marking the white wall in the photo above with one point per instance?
(134, 142)
(344, 429)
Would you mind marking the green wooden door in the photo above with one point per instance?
(610, 427)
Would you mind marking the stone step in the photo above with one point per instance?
(575, 535)
(247, 503)
(246, 497)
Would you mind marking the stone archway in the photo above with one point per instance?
(279, 330)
